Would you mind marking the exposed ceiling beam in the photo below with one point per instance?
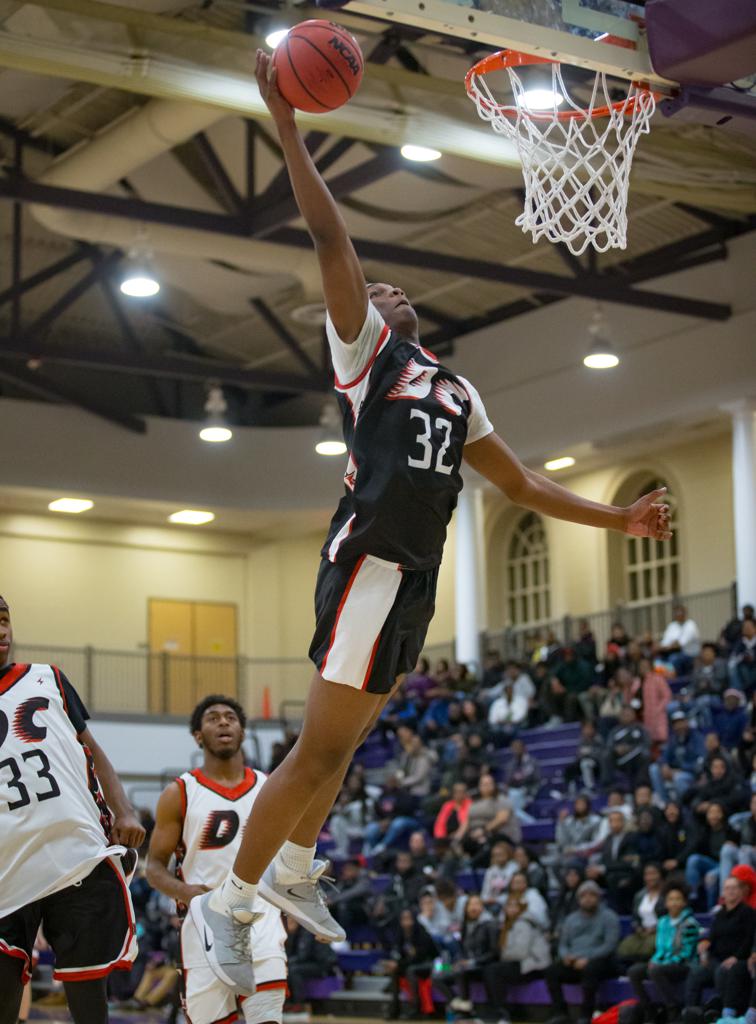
(171, 367)
(279, 186)
(46, 274)
(218, 174)
(284, 335)
(37, 384)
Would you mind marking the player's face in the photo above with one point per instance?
(221, 732)
(394, 307)
(6, 634)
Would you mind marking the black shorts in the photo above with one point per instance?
(90, 927)
(371, 620)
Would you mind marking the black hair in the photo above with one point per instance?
(195, 722)
(4, 603)
(678, 884)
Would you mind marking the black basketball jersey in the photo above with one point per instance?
(406, 422)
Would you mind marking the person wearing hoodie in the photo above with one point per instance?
(480, 946)
(703, 851)
(409, 964)
(523, 955)
(586, 953)
(566, 902)
(725, 787)
(677, 934)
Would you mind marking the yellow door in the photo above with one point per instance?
(215, 649)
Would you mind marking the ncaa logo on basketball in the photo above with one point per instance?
(341, 47)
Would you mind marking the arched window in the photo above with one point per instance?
(652, 567)
(528, 597)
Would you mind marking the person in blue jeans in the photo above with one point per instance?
(703, 851)
(681, 760)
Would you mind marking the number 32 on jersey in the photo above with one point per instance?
(424, 441)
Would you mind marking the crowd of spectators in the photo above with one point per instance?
(651, 871)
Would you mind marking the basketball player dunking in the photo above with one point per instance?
(408, 423)
(60, 847)
(200, 818)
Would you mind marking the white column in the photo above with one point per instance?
(469, 582)
(744, 496)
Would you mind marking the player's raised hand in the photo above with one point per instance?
(128, 830)
(267, 83)
(649, 516)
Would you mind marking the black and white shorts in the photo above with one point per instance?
(90, 926)
(371, 620)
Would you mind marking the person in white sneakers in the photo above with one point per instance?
(199, 822)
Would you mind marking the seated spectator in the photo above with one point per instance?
(680, 761)
(673, 834)
(730, 718)
(575, 676)
(493, 670)
(681, 643)
(585, 645)
(401, 709)
(547, 649)
(436, 919)
(742, 663)
(480, 946)
(453, 900)
(422, 857)
(307, 959)
(733, 631)
(522, 684)
(498, 875)
(462, 680)
(472, 719)
(348, 903)
(507, 713)
(585, 954)
(443, 679)
(416, 764)
(643, 800)
(523, 956)
(571, 878)
(453, 814)
(704, 849)
(615, 866)
(627, 749)
(418, 685)
(713, 748)
(407, 881)
(353, 812)
(537, 909)
(709, 677)
(394, 813)
(533, 871)
(491, 816)
(745, 851)
(409, 965)
(648, 907)
(674, 952)
(522, 776)
(648, 843)
(585, 770)
(655, 694)
(724, 787)
(723, 955)
(578, 833)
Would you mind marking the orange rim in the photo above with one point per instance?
(516, 59)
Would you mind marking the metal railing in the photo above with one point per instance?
(140, 682)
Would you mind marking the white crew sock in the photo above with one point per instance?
(235, 896)
(293, 860)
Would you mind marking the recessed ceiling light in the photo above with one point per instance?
(540, 99)
(191, 517)
(140, 285)
(216, 435)
(72, 505)
(601, 357)
(564, 463)
(274, 38)
(420, 153)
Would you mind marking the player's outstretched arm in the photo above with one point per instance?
(127, 828)
(164, 841)
(343, 280)
(493, 459)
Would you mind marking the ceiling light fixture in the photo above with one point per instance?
(564, 463)
(191, 517)
(139, 282)
(331, 440)
(422, 154)
(601, 354)
(71, 505)
(275, 37)
(541, 99)
(215, 430)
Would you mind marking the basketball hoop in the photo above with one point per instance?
(576, 162)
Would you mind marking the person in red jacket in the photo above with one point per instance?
(453, 814)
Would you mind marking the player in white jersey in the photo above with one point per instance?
(199, 819)
(60, 846)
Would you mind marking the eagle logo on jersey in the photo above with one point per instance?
(450, 395)
(413, 382)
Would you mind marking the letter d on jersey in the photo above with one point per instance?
(220, 829)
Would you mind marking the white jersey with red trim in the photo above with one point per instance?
(214, 820)
(53, 818)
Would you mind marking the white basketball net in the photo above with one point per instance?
(576, 169)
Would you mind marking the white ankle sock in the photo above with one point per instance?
(236, 896)
(295, 859)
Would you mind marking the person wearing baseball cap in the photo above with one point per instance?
(586, 954)
(680, 762)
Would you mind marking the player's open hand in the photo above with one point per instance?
(267, 83)
(128, 830)
(649, 516)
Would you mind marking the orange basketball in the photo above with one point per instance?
(319, 66)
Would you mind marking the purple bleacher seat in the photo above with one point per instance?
(359, 934)
(323, 988)
(360, 959)
(469, 881)
(380, 883)
(539, 832)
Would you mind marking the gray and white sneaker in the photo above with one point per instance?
(227, 944)
(303, 899)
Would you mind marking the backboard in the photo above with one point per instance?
(602, 35)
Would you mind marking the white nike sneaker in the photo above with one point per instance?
(303, 899)
(226, 942)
